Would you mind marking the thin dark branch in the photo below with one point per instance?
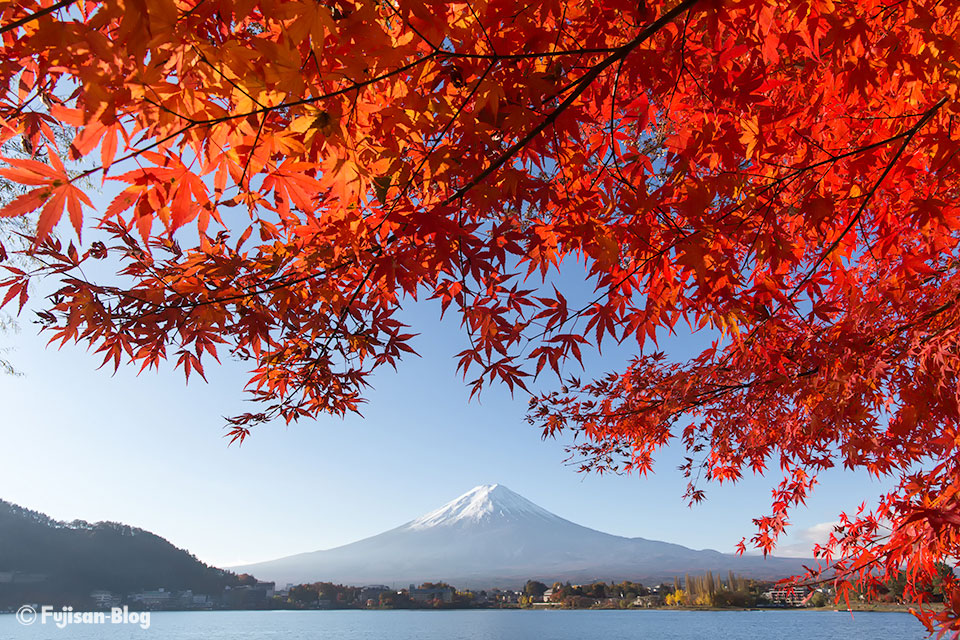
(34, 16)
(581, 87)
(908, 135)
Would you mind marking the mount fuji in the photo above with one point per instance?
(493, 537)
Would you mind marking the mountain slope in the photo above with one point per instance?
(490, 537)
(45, 560)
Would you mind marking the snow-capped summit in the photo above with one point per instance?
(492, 537)
(486, 503)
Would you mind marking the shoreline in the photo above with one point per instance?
(862, 609)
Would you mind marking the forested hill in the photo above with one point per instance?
(43, 560)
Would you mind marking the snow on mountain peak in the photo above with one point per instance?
(481, 504)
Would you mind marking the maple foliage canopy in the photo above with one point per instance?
(781, 173)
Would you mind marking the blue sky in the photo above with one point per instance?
(149, 451)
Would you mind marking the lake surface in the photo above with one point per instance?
(489, 625)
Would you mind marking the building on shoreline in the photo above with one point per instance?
(428, 593)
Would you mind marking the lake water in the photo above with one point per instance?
(489, 625)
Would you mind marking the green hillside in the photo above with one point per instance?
(51, 562)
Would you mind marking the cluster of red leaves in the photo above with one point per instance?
(783, 173)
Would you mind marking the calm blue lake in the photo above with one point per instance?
(490, 625)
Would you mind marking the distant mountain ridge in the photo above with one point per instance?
(46, 560)
(493, 537)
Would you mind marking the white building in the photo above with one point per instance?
(104, 599)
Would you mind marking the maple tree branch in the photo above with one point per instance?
(799, 170)
(396, 12)
(253, 149)
(613, 127)
(683, 63)
(323, 350)
(581, 86)
(525, 56)
(286, 283)
(483, 29)
(135, 153)
(439, 138)
(275, 286)
(833, 158)
(926, 317)
(223, 76)
(718, 389)
(35, 15)
(908, 135)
